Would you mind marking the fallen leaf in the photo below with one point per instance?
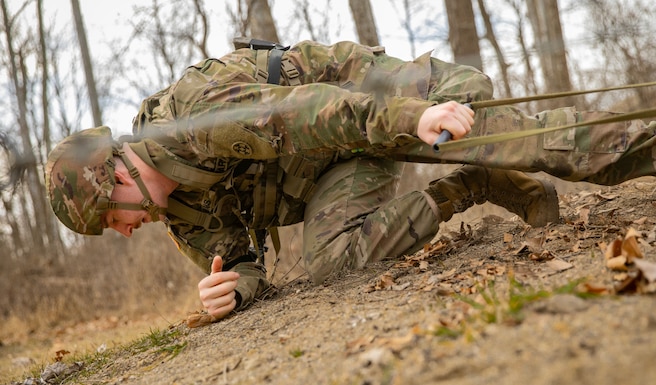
(647, 268)
(400, 287)
(612, 250)
(545, 255)
(593, 288)
(507, 238)
(396, 344)
(617, 263)
(358, 344)
(630, 247)
(558, 265)
(640, 221)
(200, 319)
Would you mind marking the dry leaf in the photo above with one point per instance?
(400, 287)
(199, 319)
(59, 354)
(613, 250)
(359, 344)
(545, 255)
(617, 263)
(640, 221)
(630, 247)
(396, 344)
(558, 265)
(594, 288)
(647, 268)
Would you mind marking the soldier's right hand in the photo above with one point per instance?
(217, 290)
(451, 116)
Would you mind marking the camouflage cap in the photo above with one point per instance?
(79, 175)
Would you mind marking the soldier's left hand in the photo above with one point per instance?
(217, 290)
(451, 116)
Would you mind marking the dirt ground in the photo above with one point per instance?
(495, 303)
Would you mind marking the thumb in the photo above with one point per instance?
(217, 264)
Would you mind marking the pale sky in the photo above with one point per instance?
(105, 20)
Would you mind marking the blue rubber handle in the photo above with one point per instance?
(445, 136)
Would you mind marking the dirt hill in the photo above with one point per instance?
(495, 302)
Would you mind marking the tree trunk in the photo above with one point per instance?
(365, 23)
(86, 61)
(261, 22)
(49, 226)
(545, 20)
(27, 159)
(491, 37)
(463, 37)
(43, 55)
(529, 86)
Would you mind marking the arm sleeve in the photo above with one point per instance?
(232, 245)
(262, 121)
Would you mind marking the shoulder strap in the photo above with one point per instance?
(177, 170)
(270, 61)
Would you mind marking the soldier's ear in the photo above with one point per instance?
(121, 173)
(121, 176)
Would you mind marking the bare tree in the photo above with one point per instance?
(624, 32)
(463, 37)
(491, 37)
(175, 33)
(365, 23)
(549, 43)
(528, 81)
(27, 159)
(260, 21)
(86, 60)
(43, 56)
(313, 17)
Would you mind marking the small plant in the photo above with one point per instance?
(296, 352)
(165, 341)
(446, 332)
(492, 309)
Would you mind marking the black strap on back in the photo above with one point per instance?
(275, 63)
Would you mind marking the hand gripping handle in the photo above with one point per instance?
(445, 135)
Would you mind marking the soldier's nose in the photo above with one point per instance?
(125, 230)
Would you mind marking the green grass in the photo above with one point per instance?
(509, 309)
(163, 341)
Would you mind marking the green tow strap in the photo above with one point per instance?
(502, 137)
(555, 95)
(443, 144)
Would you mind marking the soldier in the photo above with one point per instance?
(221, 152)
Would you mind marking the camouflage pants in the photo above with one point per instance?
(605, 154)
(353, 218)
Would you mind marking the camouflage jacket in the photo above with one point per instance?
(217, 117)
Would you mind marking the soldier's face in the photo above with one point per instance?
(125, 221)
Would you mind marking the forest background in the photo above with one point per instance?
(58, 75)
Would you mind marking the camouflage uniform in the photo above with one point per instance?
(351, 217)
(332, 152)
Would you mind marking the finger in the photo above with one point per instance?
(207, 294)
(222, 311)
(218, 296)
(217, 264)
(215, 279)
